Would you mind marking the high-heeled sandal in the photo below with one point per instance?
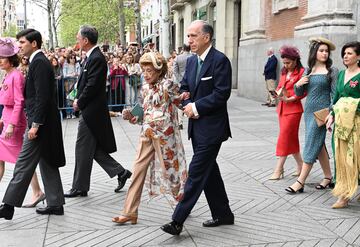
(123, 219)
(36, 202)
(329, 185)
(292, 191)
(343, 204)
(277, 175)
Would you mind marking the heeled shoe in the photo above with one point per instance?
(123, 219)
(329, 185)
(295, 174)
(36, 202)
(340, 204)
(277, 175)
(292, 191)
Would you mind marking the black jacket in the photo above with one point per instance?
(41, 108)
(92, 101)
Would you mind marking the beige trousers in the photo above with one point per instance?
(270, 86)
(146, 152)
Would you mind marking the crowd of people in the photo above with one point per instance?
(197, 85)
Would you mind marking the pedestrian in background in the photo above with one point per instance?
(160, 149)
(43, 143)
(270, 77)
(318, 83)
(179, 71)
(289, 111)
(346, 141)
(208, 80)
(95, 138)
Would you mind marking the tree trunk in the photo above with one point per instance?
(51, 43)
(138, 22)
(122, 23)
(54, 28)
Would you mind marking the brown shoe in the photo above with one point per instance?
(271, 105)
(123, 219)
(341, 203)
(265, 104)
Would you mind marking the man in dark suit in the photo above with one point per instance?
(43, 141)
(208, 79)
(270, 77)
(95, 138)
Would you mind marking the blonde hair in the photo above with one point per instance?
(156, 60)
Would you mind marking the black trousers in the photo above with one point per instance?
(204, 175)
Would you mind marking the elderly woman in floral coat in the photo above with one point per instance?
(160, 146)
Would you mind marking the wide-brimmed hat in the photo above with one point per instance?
(322, 40)
(8, 47)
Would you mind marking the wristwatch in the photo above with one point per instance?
(35, 125)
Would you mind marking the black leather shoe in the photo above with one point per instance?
(172, 228)
(75, 193)
(59, 210)
(6, 212)
(122, 180)
(219, 222)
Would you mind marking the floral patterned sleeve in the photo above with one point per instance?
(173, 92)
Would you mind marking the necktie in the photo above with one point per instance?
(198, 69)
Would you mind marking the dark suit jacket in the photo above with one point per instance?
(92, 102)
(41, 107)
(210, 94)
(270, 68)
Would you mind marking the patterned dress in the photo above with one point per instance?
(320, 91)
(160, 103)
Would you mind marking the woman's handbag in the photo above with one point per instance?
(320, 116)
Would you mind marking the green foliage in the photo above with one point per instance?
(11, 31)
(103, 14)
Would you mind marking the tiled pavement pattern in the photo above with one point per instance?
(265, 214)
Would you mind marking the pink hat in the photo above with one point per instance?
(8, 47)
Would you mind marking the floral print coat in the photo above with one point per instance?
(160, 103)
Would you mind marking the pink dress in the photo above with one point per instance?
(12, 97)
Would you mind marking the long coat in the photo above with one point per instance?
(210, 94)
(41, 108)
(92, 101)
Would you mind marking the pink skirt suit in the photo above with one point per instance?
(12, 98)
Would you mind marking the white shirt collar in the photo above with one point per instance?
(33, 55)
(90, 51)
(203, 56)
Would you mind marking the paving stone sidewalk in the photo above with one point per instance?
(265, 214)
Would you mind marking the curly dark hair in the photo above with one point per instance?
(355, 45)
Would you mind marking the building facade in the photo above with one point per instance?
(7, 15)
(245, 29)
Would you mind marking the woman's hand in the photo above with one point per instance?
(329, 121)
(304, 80)
(9, 131)
(283, 98)
(126, 114)
(133, 120)
(1, 125)
(185, 95)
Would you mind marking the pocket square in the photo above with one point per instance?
(206, 78)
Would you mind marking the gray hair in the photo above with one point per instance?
(90, 33)
(206, 28)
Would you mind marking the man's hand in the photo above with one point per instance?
(75, 105)
(185, 96)
(32, 133)
(188, 111)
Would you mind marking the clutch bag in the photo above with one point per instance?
(138, 111)
(320, 116)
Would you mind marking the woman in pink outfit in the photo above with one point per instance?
(13, 120)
